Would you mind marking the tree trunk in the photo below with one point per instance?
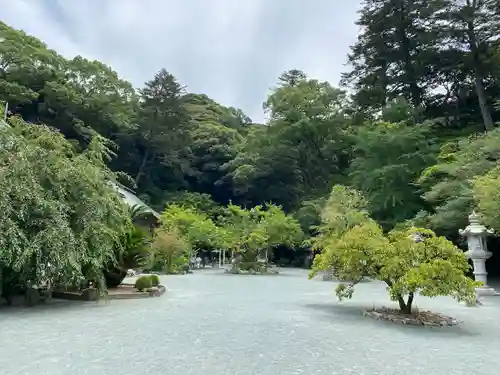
(141, 168)
(384, 83)
(405, 307)
(410, 76)
(479, 76)
(483, 105)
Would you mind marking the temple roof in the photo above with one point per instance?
(132, 200)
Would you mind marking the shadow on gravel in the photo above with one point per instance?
(48, 307)
(349, 314)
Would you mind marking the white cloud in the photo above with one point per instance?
(231, 50)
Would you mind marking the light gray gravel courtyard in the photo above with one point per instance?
(210, 323)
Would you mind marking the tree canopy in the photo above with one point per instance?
(353, 246)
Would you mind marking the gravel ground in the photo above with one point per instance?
(210, 323)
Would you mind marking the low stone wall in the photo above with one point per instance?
(424, 318)
(89, 294)
(331, 277)
(236, 271)
(124, 291)
(128, 291)
(328, 277)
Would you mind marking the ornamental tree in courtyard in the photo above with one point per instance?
(196, 228)
(353, 246)
(171, 251)
(258, 230)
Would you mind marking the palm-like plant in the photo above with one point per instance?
(134, 251)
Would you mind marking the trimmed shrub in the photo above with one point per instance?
(143, 282)
(155, 280)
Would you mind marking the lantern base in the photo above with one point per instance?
(486, 291)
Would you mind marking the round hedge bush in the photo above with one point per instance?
(155, 280)
(143, 282)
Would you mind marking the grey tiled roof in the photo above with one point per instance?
(132, 200)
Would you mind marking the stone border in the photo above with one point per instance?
(162, 274)
(135, 294)
(251, 272)
(423, 318)
(330, 277)
(91, 294)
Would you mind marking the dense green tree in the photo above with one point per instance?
(60, 217)
(89, 98)
(437, 54)
(301, 151)
(171, 251)
(388, 159)
(199, 202)
(77, 96)
(216, 136)
(258, 231)
(448, 185)
(487, 197)
(392, 55)
(163, 131)
(25, 65)
(196, 227)
(472, 28)
(353, 246)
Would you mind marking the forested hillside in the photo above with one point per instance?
(412, 124)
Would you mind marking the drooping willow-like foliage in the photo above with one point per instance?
(60, 218)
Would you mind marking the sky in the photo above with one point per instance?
(231, 50)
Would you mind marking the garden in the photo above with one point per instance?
(369, 181)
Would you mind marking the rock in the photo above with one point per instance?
(131, 273)
(414, 322)
(328, 277)
(431, 324)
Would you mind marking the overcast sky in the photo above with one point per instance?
(231, 50)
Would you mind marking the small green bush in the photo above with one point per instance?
(155, 280)
(143, 282)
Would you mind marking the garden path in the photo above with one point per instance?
(210, 323)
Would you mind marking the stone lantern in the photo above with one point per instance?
(476, 234)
